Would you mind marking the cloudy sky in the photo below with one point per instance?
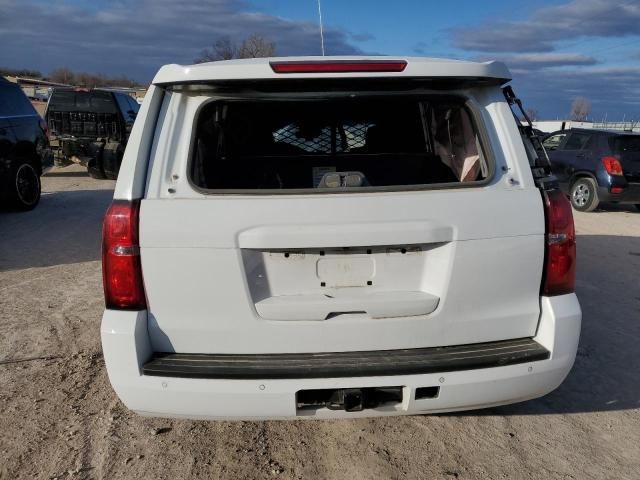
(555, 50)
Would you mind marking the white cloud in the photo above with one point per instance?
(135, 37)
(534, 61)
(547, 26)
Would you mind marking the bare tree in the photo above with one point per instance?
(225, 49)
(63, 75)
(20, 72)
(257, 46)
(90, 80)
(580, 109)
(222, 49)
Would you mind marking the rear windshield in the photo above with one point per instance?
(13, 101)
(94, 101)
(336, 144)
(625, 143)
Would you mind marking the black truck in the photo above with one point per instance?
(90, 127)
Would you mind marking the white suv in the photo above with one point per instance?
(334, 237)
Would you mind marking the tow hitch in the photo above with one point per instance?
(349, 399)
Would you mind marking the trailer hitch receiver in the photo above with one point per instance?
(349, 399)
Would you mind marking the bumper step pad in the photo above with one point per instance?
(346, 364)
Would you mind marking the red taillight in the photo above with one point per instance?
(612, 165)
(344, 66)
(121, 268)
(617, 189)
(560, 268)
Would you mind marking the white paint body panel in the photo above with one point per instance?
(126, 347)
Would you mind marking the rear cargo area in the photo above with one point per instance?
(83, 124)
(82, 114)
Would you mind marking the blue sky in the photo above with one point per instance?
(555, 50)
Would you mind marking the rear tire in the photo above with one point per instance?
(24, 187)
(112, 158)
(95, 172)
(638, 206)
(584, 195)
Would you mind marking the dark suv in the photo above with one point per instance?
(595, 166)
(90, 127)
(24, 148)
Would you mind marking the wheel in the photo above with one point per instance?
(111, 159)
(24, 187)
(638, 206)
(584, 195)
(95, 172)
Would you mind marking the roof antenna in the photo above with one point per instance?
(321, 31)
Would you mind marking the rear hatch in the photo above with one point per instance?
(328, 218)
(83, 114)
(627, 149)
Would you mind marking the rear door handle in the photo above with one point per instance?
(341, 235)
(322, 307)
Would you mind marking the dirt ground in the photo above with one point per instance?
(60, 419)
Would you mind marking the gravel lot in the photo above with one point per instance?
(59, 417)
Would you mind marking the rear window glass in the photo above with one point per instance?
(94, 101)
(576, 141)
(353, 143)
(13, 101)
(626, 143)
(553, 142)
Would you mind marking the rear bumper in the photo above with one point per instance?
(380, 363)
(630, 194)
(127, 349)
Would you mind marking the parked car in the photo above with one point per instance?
(90, 127)
(595, 166)
(24, 148)
(335, 238)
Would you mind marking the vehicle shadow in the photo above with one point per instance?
(617, 207)
(606, 374)
(66, 227)
(67, 173)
